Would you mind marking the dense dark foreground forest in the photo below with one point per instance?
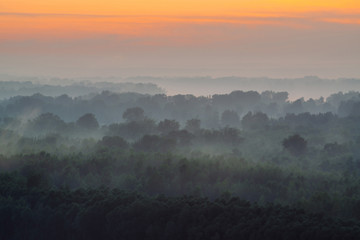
(243, 165)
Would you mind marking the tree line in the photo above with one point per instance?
(174, 168)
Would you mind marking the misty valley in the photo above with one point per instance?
(127, 161)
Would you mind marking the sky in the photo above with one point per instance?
(248, 38)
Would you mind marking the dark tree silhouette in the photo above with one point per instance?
(134, 114)
(193, 125)
(168, 126)
(154, 143)
(48, 122)
(88, 121)
(114, 142)
(230, 118)
(295, 144)
(255, 121)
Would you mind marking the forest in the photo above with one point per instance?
(145, 165)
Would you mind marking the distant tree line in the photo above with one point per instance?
(215, 111)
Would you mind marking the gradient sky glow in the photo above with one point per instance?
(180, 37)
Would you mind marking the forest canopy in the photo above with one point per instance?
(246, 164)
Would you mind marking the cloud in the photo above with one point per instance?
(61, 26)
(15, 26)
(107, 43)
(355, 21)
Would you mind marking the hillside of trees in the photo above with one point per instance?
(243, 165)
(12, 86)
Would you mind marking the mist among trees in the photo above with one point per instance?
(145, 165)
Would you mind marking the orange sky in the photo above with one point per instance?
(69, 18)
(175, 7)
(133, 30)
